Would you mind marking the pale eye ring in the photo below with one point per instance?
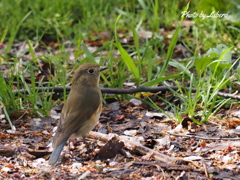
(90, 71)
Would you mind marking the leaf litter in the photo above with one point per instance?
(128, 143)
(131, 141)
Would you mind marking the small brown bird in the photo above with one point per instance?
(82, 109)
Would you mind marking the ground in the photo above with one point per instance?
(128, 143)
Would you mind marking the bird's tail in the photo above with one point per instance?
(56, 153)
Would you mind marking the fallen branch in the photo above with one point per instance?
(135, 146)
(172, 167)
(203, 137)
(84, 175)
(127, 91)
(107, 90)
(10, 151)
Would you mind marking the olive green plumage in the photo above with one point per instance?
(82, 109)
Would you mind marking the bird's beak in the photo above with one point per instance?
(103, 68)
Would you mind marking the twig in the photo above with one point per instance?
(107, 90)
(174, 167)
(205, 138)
(232, 96)
(84, 175)
(135, 146)
(205, 169)
(181, 175)
(128, 91)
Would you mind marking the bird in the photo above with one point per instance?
(81, 110)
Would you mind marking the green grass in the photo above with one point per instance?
(145, 61)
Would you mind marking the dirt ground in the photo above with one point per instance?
(128, 143)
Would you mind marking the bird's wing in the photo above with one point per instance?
(77, 110)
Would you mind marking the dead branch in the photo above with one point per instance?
(127, 91)
(173, 167)
(8, 151)
(107, 90)
(201, 137)
(135, 146)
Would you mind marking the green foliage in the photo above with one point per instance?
(214, 72)
(217, 59)
(208, 6)
(7, 99)
(22, 75)
(146, 61)
(62, 18)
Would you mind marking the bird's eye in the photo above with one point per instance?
(91, 71)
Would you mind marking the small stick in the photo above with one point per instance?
(134, 146)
